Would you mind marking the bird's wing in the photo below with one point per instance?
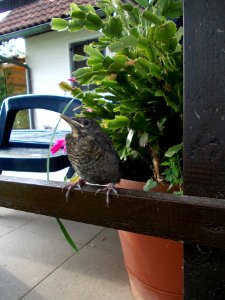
(105, 142)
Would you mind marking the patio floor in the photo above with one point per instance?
(37, 263)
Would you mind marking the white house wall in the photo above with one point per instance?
(48, 57)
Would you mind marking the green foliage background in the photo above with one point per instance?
(138, 91)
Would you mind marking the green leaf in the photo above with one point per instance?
(120, 58)
(144, 64)
(129, 137)
(59, 24)
(171, 103)
(115, 67)
(143, 3)
(143, 42)
(124, 109)
(76, 92)
(159, 93)
(127, 7)
(86, 79)
(108, 61)
(114, 27)
(135, 32)
(152, 18)
(173, 9)
(90, 50)
(149, 48)
(179, 34)
(108, 84)
(139, 121)
(135, 17)
(151, 32)
(150, 184)
(156, 71)
(78, 14)
(161, 5)
(84, 75)
(173, 150)
(74, 7)
(95, 20)
(87, 8)
(92, 61)
(82, 72)
(67, 236)
(66, 87)
(160, 124)
(129, 40)
(143, 139)
(78, 57)
(97, 67)
(75, 25)
(152, 138)
(116, 46)
(171, 45)
(165, 32)
(151, 53)
(118, 122)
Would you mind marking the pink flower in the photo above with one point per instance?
(89, 109)
(59, 144)
(72, 79)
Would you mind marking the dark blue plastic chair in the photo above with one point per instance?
(22, 155)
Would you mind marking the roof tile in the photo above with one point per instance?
(36, 13)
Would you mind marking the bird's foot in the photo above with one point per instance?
(108, 189)
(72, 186)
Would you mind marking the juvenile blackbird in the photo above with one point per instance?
(91, 154)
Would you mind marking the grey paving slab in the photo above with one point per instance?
(96, 272)
(80, 232)
(15, 218)
(26, 258)
(4, 229)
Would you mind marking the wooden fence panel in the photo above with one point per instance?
(204, 135)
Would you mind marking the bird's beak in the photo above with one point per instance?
(70, 121)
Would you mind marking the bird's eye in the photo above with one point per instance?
(86, 122)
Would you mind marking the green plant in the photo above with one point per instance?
(138, 81)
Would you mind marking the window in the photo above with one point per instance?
(78, 48)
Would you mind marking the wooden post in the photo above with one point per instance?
(204, 135)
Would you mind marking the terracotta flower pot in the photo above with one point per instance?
(154, 265)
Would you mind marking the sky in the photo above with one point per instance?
(14, 47)
(4, 14)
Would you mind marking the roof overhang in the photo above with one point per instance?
(4, 59)
(27, 32)
(38, 29)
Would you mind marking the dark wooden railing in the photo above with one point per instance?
(190, 219)
(197, 219)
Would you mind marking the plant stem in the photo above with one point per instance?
(156, 163)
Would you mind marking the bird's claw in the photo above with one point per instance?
(73, 185)
(109, 188)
